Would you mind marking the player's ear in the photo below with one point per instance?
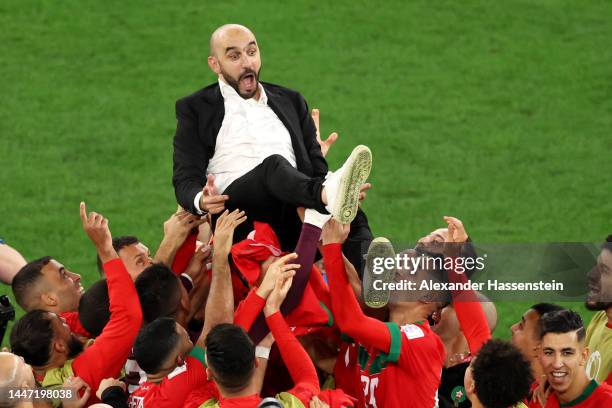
(584, 355)
(209, 374)
(49, 299)
(60, 346)
(213, 64)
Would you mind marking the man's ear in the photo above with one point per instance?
(471, 389)
(209, 374)
(584, 356)
(213, 64)
(60, 346)
(49, 299)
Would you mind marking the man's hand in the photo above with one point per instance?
(362, 190)
(178, 226)
(334, 232)
(327, 143)
(106, 383)
(278, 294)
(76, 385)
(456, 230)
(96, 228)
(275, 270)
(224, 232)
(211, 201)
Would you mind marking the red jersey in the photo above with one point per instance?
(594, 396)
(411, 370)
(174, 389)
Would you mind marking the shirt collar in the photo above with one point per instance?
(230, 93)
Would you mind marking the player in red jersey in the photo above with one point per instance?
(47, 344)
(404, 353)
(174, 366)
(563, 357)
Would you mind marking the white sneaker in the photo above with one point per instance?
(342, 186)
(380, 248)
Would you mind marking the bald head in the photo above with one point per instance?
(14, 372)
(224, 34)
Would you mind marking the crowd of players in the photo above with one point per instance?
(210, 322)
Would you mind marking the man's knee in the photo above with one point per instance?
(275, 161)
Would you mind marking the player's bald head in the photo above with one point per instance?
(14, 372)
(224, 35)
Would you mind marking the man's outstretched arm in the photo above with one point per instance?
(220, 302)
(345, 308)
(108, 354)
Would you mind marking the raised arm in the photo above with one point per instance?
(107, 355)
(345, 308)
(301, 368)
(470, 313)
(220, 302)
(250, 308)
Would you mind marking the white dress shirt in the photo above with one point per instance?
(250, 132)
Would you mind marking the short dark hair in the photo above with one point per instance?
(32, 336)
(118, 244)
(159, 292)
(25, 279)
(543, 308)
(495, 358)
(230, 353)
(94, 308)
(154, 344)
(562, 321)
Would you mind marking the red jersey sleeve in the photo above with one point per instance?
(248, 310)
(301, 368)
(185, 253)
(107, 355)
(72, 320)
(345, 308)
(470, 314)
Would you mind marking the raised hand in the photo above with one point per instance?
(179, 224)
(334, 232)
(96, 228)
(211, 201)
(224, 231)
(278, 294)
(276, 270)
(456, 230)
(327, 143)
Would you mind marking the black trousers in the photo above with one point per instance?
(271, 192)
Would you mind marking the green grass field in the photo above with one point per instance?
(497, 112)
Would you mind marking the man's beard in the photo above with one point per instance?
(235, 83)
(75, 347)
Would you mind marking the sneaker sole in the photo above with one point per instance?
(358, 169)
(379, 248)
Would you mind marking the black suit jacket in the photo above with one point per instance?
(200, 116)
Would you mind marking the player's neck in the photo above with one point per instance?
(250, 389)
(409, 312)
(574, 390)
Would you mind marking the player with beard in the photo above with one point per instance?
(55, 354)
(563, 358)
(599, 331)
(242, 143)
